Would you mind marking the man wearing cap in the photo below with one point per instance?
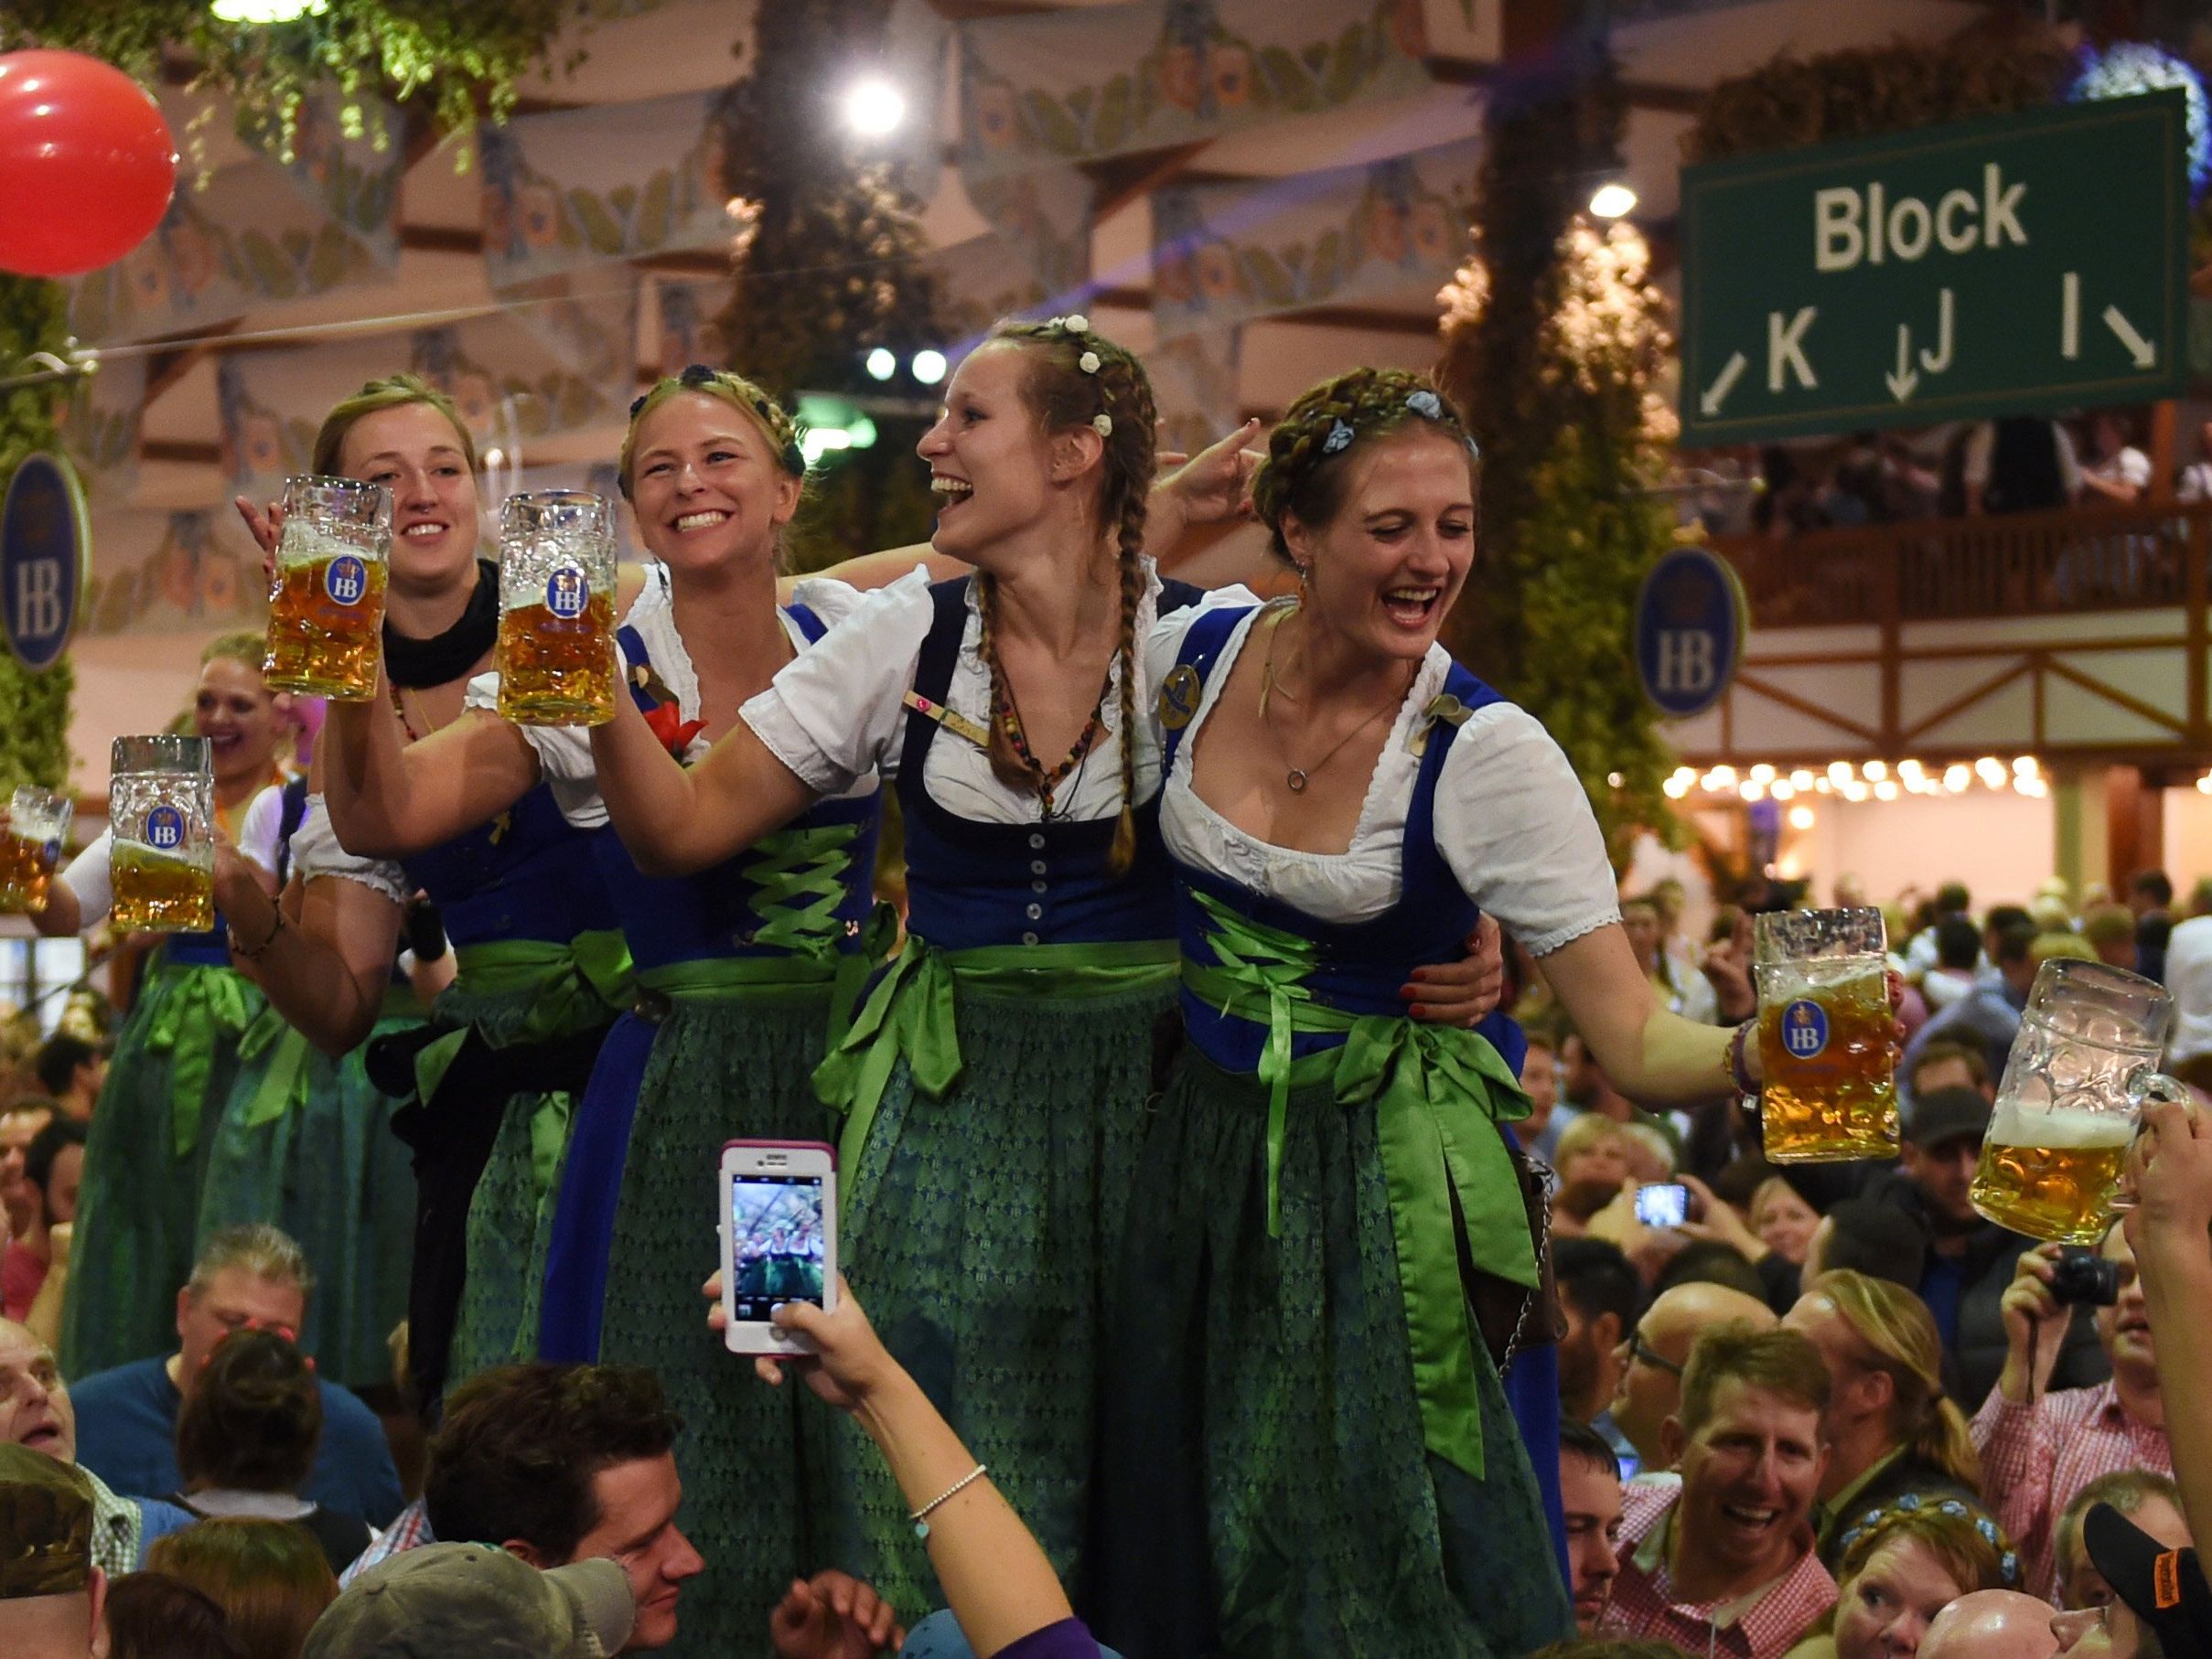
(50, 1589)
(2163, 1609)
(1969, 1259)
(2038, 1445)
(478, 1601)
(36, 1413)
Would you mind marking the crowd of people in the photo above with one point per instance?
(1241, 1129)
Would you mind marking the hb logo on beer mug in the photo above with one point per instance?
(161, 807)
(2083, 1062)
(327, 606)
(556, 653)
(1824, 1036)
(346, 579)
(165, 829)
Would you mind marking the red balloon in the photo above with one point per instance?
(87, 163)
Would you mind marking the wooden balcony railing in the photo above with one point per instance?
(2024, 564)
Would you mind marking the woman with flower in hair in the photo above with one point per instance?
(1902, 1564)
(163, 1098)
(1329, 1204)
(993, 1085)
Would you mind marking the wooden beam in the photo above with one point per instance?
(183, 452)
(1661, 96)
(442, 239)
(1121, 179)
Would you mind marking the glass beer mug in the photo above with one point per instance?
(327, 602)
(556, 647)
(161, 812)
(1829, 1091)
(37, 823)
(2079, 1071)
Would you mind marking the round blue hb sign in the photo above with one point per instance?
(45, 541)
(1690, 629)
(346, 579)
(1804, 1029)
(567, 593)
(165, 829)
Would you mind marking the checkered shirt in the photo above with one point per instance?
(2034, 1459)
(1763, 1624)
(410, 1529)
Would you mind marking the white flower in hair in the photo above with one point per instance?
(1087, 362)
(1102, 424)
(1075, 322)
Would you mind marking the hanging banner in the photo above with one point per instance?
(596, 186)
(155, 572)
(256, 230)
(1390, 230)
(1049, 89)
(98, 425)
(514, 375)
(1195, 384)
(1043, 220)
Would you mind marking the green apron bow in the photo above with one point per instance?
(284, 1082)
(561, 988)
(913, 1012)
(1438, 1093)
(203, 1004)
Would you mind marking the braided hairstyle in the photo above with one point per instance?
(1963, 1536)
(1077, 377)
(769, 417)
(389, 393)
(252, 1422)
(1306, 468)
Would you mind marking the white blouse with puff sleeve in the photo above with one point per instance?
(1511, 820)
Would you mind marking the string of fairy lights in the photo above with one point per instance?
(1859, 781)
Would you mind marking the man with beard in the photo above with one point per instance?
(2039, 1448)
(1722, 1562)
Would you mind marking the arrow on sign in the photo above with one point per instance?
(2141, 350)
(1906, 379)
(1938, 361)
(1722, 384)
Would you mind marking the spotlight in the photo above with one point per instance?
(1612, 200)
(928, 367)
(873, 107)
(880, 364)
(1800, 817)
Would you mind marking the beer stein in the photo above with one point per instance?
(161, 814)
(556, 647)
(37, 823)
(2075, 1083)
(327, 604)
(1829, 1091)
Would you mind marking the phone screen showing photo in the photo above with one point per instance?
(776, 1243)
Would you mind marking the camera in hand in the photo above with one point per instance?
(2081, 1276)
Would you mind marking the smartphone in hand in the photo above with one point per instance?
(778, 1234)
(1664, 1205)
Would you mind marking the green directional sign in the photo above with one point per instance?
(2023, 262)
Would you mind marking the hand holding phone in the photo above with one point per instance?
(778, 1233)
(1666, 1205)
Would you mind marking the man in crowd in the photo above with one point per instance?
(51, 1588)
(1590, 1494)
(2162, 1607)
(1951, 904)
(563, 1463)
(1988, 1016)
(1969, 1259)
(2150, 1501)
(36, 1413)
(2151, 897)
(467, 1598)
(1955, 957)
(1657, 1347)
(1600, 1297)
(70, 1071)
(1951, 1065)
(2039, 1448)
(1866, 1235)
(2111, 931)
(1723, 1563)
(1990, 1624)
(252, 1274)
(41, 1213)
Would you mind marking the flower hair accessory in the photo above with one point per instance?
(1087, 362)
(1102, 424)
(1340, 438)
(1426, 402)
(1075, 322)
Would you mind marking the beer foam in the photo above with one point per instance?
(2062, 1127)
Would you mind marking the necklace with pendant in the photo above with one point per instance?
(1297, 777)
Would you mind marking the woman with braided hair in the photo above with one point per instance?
(1901, 1563)
(993, 1085)
(1309, 1450)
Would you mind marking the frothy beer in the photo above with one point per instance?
(556, 656)
(2052, 1174)
(160, 892)
(324, 613)
(1824, 1035)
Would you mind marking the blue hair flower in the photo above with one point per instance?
(1911, 1500)
(1340, 439)
(2010, 1567)
(1426, 402)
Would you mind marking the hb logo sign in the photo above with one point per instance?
(1804, 1029)
(566, 593)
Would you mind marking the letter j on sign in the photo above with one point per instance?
(2002, 266)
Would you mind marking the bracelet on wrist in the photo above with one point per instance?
(275, 927)
(921, 1517)
(1739, 1067)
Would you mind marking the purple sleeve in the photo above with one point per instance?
(1067, 1640)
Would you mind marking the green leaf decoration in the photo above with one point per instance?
(653, 216)
(1267, 274)
(269, 270)
(333, 258)
(622, 198)
(1316, 56)
(1329, 261)
(1078, 104)
(297, 245)
(1050, 121)
(1348, 67)
(1112, 124)
(600, 231)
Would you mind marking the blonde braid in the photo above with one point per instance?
(1006, 763)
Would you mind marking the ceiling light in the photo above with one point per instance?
(928, 367)
(1612, 200)
(1800, 817)
(873, 107)
(880, 364)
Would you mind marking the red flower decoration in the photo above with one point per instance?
(669, 725)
